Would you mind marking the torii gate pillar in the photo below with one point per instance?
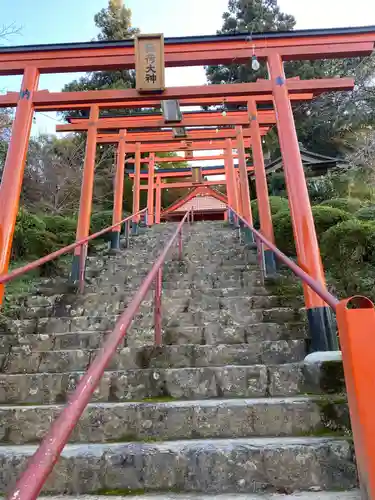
(263, 201)
(85, 204)
(158, 200)
(322, 334)
(136, 188)
(118, 191)
(11, 183)
(151, 189)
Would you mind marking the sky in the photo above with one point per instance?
(43, 21)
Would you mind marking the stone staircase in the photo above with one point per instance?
(225, 407)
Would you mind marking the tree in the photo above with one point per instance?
(114, 23)
(326, 124)
(248, 16)
(5, 132)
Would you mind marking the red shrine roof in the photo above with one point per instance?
(201, 199)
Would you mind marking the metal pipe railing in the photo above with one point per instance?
(330, 299)
(47, 454)
(62, 251)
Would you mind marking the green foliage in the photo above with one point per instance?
(115, 22)
(350, 205)
(101, 220)
(64, 228)
(320, 189)
(31, 238)
(348, 251)
(324, 218)
(350, 243)
(366, 213)
(250, 16)
(277, 185)
(277, 203)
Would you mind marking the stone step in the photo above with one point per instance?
(175, 313)
(215, 466)
(162, 421)
(191, 298)
(168, 356)
(177, 383)
(318, 495)
(211, 334)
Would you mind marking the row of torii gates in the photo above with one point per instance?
(151, 134)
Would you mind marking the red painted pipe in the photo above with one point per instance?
(52, 256)
(330, 299)
(46, 456)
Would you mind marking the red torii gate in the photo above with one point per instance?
(274, 48)
(138, 142)
(271, 47)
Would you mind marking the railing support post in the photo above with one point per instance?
(322, 333)
(265, 217)
(127, 233)
(85, 204)
(118, 191)
(356, 322)
(157, 311)
(11, 183)
(157, 200)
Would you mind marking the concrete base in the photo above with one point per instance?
(270, 263)
(74, 275)
(135, 228)
(322, 329)
(115, 240)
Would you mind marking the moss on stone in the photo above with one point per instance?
(161, 399)
(332, 380)
(335, 414)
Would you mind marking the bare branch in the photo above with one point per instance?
(7, 30)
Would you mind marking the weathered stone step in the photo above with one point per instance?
(175, 313)
(57, 306)
(177, 383)
(167, 356)
(319, 495)
(211, 334)
(162, 421)
(216, 466)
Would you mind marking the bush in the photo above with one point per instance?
(101, 220)
(277, 203)
(31, 238)
(324, 218)
(366, 213)
(320, 189)
(64, 228)
(277, 184)
(350, 205)
(348, 251)
(349, 243)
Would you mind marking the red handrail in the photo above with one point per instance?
(42, 462)
(330, 299)
(54, 255)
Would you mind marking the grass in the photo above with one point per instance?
(23, 286)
